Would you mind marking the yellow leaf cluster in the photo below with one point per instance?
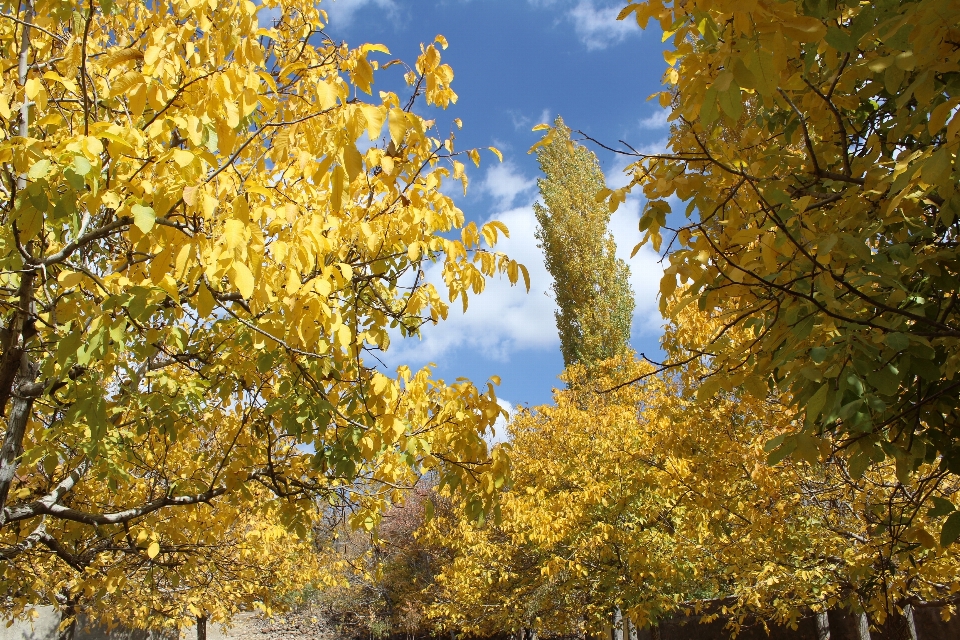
(198, 256)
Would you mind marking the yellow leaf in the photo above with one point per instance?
(151, 56)
(352, 161)
(398, 125)
(32, 88)
(233, 233)
(182, 157)
(243, 279)
(327, 95)
(190, 195)
(374, 47)
(69, 278)
(374, 117)
(205, 301)
(143, 217)
(153, 550)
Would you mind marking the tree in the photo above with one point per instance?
(814, 145)
(239, 559)
(195, 257)
(591, 285)
(645, 499)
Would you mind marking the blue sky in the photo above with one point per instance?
(518, 63)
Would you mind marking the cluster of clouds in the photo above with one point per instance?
(505, 319)
(594, 22)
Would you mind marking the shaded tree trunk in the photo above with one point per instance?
(863, 627)
(823, 626)
(202, 627)
(68, 620)
(899, 626)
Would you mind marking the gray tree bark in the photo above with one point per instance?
(823, 626)
(863, 627)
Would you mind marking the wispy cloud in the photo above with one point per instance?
(505, 183)
(656, 120)
(598, 27)
(523, 122)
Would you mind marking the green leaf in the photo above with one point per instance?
(840, 40)
(781, 452)
(39, 169)
(897, 341)
(951, 530)
(773, 443)
(886, 381)
(143, 217)
(941, 507)
(731, 102)
(708, 111)
(761, 65)
(81, 165)
(815, 404)
(934, 169)
(859, 464)
(74, 179)
(818, 354)
(68, 345)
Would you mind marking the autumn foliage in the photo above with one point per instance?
(196, 257)
(211, 226)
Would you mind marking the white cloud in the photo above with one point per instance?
(505, 319)
(656, 120)
(598, 27)
(523, 122)
(504, 183)
(342, 12)
(645, 268)
(501, 320)
(500, 426)
(545, 117)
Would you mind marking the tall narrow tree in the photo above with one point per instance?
(591, 285)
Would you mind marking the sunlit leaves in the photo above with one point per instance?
(591, 285)
(210, 250)
(814, 150)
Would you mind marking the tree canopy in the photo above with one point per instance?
(198, 254)
(590, 284)
(814, 147)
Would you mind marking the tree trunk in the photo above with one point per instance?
(899, 626)
(863, 627)
(202, 627)
(68, 615)
(823, 626)
(17, 379)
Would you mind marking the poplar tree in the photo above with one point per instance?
(591, 285)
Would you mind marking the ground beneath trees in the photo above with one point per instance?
(303, 624)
